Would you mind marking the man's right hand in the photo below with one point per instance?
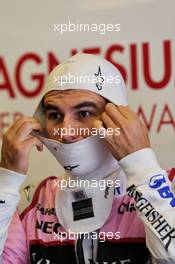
(17, 144)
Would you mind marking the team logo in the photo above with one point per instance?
(99, 79)
(70, 168)
(28, 191)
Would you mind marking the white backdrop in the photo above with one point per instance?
(143, 49)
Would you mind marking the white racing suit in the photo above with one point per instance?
(141, 222)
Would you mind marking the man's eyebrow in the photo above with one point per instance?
(48, 107)
(85, 104)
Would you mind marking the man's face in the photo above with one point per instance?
(72, 109)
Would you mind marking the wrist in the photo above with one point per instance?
(139, 164)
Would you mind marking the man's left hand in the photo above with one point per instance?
(133, 133)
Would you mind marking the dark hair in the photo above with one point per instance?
(42, 104)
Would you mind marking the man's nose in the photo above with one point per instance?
(69, 131)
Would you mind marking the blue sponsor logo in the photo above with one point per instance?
(159, 182)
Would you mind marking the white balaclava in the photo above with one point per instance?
(85, 209)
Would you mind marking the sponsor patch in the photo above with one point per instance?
(159, 182)
(82, 209)
(164, 231)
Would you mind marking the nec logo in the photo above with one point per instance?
(159, 182)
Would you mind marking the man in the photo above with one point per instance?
(87, 222)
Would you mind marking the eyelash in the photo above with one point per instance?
(85, 111)
(54, 115)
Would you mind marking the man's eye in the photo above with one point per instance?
(54, 115)
(83, 114)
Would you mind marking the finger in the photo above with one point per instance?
(97, 124)
(114, 114)
(25, 130)
(16, 125)
(108, 122)
(102, 132)
(31, 142)
(127, 112)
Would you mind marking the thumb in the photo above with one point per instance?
(39, 146)
(102, 132)
(97, 124)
